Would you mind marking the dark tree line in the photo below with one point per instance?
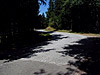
(42, 22)
(75, 15)
(18, 14)
(18, 18)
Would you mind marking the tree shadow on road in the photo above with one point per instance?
(68, 71)
(58, 37)
(24, 47)
(87, 51)
(14, 53)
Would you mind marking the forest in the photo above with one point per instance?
(20, 18)
(74, 15)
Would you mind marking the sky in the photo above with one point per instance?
(44, 8)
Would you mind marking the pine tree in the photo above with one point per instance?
(18, 17)
(51, 13)
(76, 15)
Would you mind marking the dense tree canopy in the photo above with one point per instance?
(76, 15)
(18, 18)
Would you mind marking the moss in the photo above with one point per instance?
(45, 34)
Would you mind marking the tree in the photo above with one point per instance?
(50, 13)
(18, 18)
(76, 15)
(43, 21)
(84, 16)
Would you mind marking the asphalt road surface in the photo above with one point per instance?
(47, 60)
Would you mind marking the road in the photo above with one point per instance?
(48, 59)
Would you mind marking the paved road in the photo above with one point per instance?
(47, 60)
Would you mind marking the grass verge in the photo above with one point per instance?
(69, 31)
(90, 34)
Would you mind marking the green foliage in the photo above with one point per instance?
(50, 14)
(46, 35)
(75, 15)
